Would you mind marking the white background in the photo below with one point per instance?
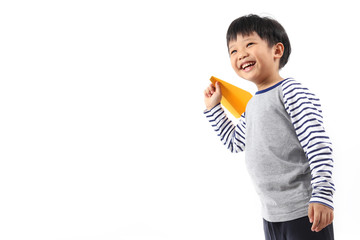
(102, 134)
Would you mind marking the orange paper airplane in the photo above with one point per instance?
(233, 99)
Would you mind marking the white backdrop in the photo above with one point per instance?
(102, 134)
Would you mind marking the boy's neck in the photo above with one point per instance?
(268, 82)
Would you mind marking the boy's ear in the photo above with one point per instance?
(278, 50)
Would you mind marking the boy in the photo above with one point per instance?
(287, 152)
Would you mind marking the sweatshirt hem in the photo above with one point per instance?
(287, 217)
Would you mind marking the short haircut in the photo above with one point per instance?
(267, 28)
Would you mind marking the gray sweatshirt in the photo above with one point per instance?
(287, 152)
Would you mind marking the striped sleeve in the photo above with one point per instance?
(305, 112)
(232, 136)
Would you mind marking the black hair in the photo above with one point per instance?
(267, 28)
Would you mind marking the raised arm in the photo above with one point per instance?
(232, 136)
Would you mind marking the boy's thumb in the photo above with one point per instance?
(217, 87)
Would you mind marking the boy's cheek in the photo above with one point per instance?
(234, 67)
(233, 63)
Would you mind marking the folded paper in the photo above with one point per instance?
(233, 99)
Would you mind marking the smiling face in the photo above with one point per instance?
(253, 59)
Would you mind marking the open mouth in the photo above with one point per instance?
(247, 66)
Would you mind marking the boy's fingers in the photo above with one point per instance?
(328, 219)
(311, 213)
(323, 223)
(211, 89)
(316, 221)
(331, 217)
(206, 93)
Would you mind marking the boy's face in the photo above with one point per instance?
(253, 59)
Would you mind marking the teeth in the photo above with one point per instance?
(247, 65)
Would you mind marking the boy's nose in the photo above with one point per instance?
(242, 55)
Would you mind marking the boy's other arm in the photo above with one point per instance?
(232, 136)
(305, 112)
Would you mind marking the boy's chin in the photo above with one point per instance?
(248, 78)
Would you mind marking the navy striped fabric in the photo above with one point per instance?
(304, 109)
(233, 137)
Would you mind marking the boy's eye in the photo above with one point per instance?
(233, 51)
(249, 44)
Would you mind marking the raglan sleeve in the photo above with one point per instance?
(305, 112)
(232, 136)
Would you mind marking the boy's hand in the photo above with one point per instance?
(320, 216)
(212, 96)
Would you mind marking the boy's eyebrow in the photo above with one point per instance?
(244, 40)
(249, 39)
